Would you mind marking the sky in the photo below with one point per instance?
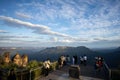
(49, 23)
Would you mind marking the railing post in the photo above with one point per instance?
(30, 75)
(109, 70)
(21, 75)
(109, 74)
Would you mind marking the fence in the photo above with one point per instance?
(107, 71)
(26, 74)
(33, 74)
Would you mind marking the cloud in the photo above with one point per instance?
(40, 29)
(17, 39)
(58, 9)
(14, 36)
(67, 40)
(3, 31)
(23, 15)
(100, 39)
(86, 21)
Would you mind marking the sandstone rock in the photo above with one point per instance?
(6, 57)
(17, 59)
(24, 60)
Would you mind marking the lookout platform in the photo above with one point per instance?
(86, 73)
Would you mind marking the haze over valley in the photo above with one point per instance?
(111, 56)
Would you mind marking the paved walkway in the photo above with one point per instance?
(86, 73)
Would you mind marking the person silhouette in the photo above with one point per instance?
(46, 65)
(85, 60)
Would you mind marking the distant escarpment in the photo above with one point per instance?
(66, 50)
(55, 52)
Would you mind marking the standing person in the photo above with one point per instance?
(68, 59)
(12, 75)
(81, 60)
(85, 60)
(101, 60)
(98, 65)
(73, 60)
(59, 62)
(62, 60)
(46, 65)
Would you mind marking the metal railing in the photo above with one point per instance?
(32, 70)
(23, 74)
(107, 71)
(26, 74)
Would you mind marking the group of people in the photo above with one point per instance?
(83, 60)
(98, 63)
(63, 60)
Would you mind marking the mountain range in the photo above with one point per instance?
(111, 56)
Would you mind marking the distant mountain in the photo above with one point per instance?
(54, 52)
(66, 50)
(107, 50)
(113, 58)
(117, 49)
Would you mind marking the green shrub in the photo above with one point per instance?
(40, 63)
(36, 73)
(9, 66)
(35, 68)
(53, 66)
(32, 64)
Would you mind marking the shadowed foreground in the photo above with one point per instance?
(86, 73)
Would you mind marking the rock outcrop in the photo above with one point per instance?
(24, 60)
(6, 57)
(17, 60)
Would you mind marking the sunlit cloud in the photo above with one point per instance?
(62, 22)
(41, 29)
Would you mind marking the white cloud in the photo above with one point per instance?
(3, 31)
(85, 20)
(41, 29)
(23, 15)
(54, 39)
(15, 39)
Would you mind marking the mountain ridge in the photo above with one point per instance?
(59, 50)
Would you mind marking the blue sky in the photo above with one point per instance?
(46, 23)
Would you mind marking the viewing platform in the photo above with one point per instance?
(86, 73)
(83, 72)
